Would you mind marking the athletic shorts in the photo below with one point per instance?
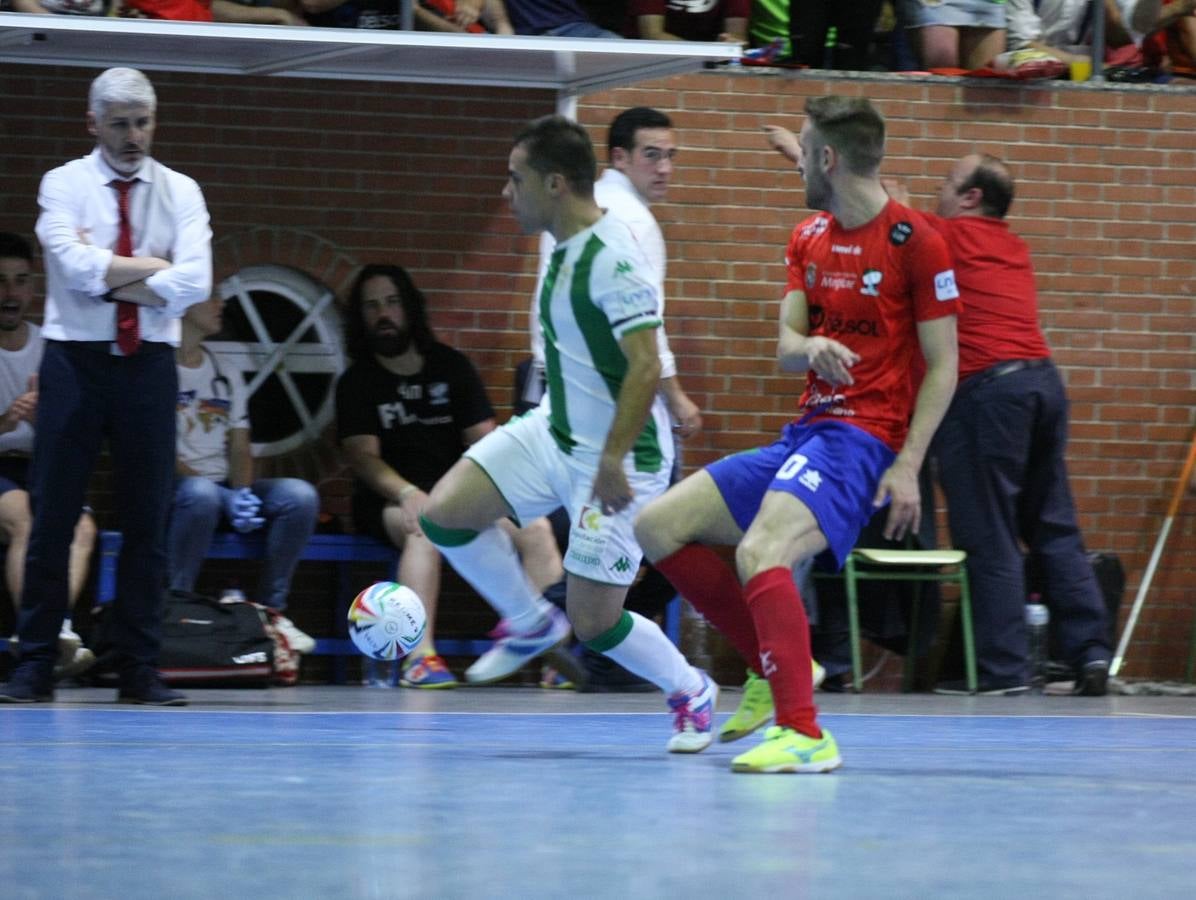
(14, 473)
(954, 13)
(536, 477)
(830, 467)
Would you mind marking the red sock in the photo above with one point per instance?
(712, 587)
(784, 635)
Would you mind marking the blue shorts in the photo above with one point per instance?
(832, 468)
(14, 474)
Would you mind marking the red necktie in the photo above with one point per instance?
(128, 329)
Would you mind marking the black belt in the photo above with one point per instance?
(1008, 367)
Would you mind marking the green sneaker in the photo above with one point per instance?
(755, 709)
(786, 750)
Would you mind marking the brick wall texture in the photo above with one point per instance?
(413, 174)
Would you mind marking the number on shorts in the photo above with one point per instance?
(792, 466)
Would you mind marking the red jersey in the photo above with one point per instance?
(999, 316)
(867, 288)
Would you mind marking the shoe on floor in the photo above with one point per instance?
(1093, 680)
(755, 707)
(299, 641)
(786, 750)
(143, 685)
(551, 679)
(983, 688)
(693, 717)
(430, 672)
(83, 660)
(29, 683)
(68, 645)
(512, 651)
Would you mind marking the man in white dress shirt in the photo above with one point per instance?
(127, 247)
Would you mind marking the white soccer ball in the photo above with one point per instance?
(387, 620)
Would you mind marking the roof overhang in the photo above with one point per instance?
(570, 66)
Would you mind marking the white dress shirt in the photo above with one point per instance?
(79, 223)
(615, 193)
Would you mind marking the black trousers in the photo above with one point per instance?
(1000, 452)
(85, 394)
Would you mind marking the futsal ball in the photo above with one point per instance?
(387, 620)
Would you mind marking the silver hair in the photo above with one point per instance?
(120, 86)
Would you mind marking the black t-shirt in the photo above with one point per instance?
(418, 418)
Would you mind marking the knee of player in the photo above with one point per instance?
(436, 528)
(752, 558)
(651, 528)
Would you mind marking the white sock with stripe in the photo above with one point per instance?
(640, 646)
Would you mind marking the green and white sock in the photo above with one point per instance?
(639, 646)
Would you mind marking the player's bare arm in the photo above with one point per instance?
(798, 352)
(639, 387)
(899, 484)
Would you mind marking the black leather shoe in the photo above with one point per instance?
(1093, 680)
(28, 684)
(145, 686)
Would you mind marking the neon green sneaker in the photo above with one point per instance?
(786, 750)
(755, 709)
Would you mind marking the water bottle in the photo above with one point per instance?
(1038, 617)
(376, 673)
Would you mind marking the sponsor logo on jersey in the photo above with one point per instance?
(622, 564)
(815, 228)
(438, 393)
(623, 267)
(944, 286)
(900, 233)
(848, 249)
(870, 282)
(811, 276)
(838, 281)
(590, 519)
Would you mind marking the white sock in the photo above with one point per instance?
(647, 652)
(66, 625)
(491, 564)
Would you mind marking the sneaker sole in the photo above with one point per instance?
(441, 686)
(46, 698)
(523, 661)
(995, 692)
(135, 701)
(828, 765)
(726, 737)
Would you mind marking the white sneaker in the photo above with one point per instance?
(83, 660)
(68, 644)
(818, 672)
(511, 651)
(693, 718)
(300, 642)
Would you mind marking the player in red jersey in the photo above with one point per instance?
(870, 289)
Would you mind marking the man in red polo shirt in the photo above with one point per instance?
(1000, 447)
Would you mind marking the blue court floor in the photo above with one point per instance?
(349, 792)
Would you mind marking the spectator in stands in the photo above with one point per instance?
(244, 12)
(1000, 447)
(62, 7)
(472, 16)
(214, 481)
(20, 355)
(127, 248)
(677, 20)
(826, 35)
(1172, 42)
(1063, 28)
(558, 18)
(955, 34)
(406, 409)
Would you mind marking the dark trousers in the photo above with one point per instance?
(85, 394)
(1000, 459)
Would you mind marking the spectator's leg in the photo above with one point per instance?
(978, 46)
(290, 507)
(15, 522)
(81, 549)
(419, 569)
(938, 46)
(143, 457)
(193, 518)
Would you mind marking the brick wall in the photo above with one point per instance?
(413, 174)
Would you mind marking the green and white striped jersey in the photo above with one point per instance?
(597, 289)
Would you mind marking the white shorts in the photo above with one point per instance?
(535, 477)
